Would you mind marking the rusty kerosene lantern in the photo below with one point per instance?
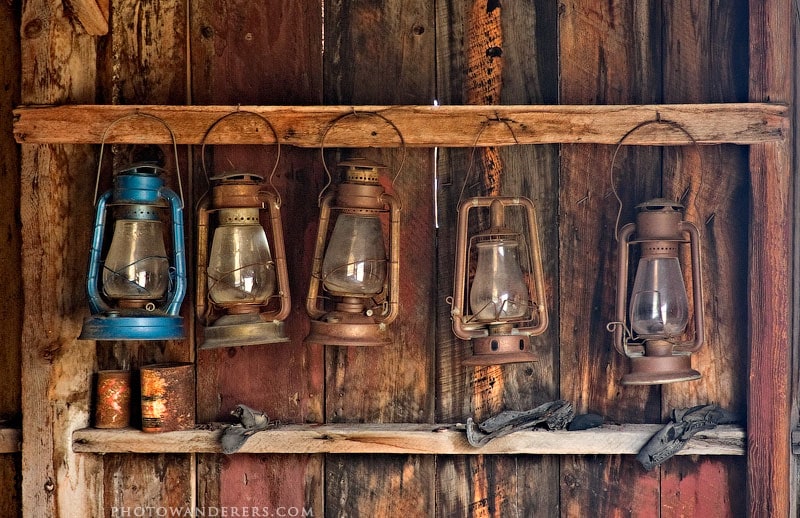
(136, 290)
(241, 276)
(506, 296)
(352, 266)
(659, 308)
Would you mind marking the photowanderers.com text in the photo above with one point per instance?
(212, 512)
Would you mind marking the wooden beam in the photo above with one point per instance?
(10, 440)
(420, 126)
(56, 371)
(770, 491)
(426, 439)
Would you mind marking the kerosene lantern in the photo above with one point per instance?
(506, 296)
(239, 279)
(650, 331)
(136, 290)
(351, 267)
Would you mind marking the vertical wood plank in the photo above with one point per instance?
(384, 53)
(286, 379)
(769, 457)
(703, 487)
(143, 61)
(10, 257)
(609, 53)
(55, 367)
(150, 483)
(794, 481)
(705, 61)
(520, 70)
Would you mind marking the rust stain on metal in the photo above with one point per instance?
(113, 409)
(167, 397)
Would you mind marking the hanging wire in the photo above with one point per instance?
(138, 113)
(354, 113)
(485, 124)
(657, 120)
(277, 147)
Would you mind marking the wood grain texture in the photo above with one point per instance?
(10, 258)
(609, 53)
(383, 53)
(421, 126)
(271, 481)
(481, 62)
(285, 380)
(55, 367)
(771, 275)
(92, 15)
(686, 486)
(706, 62)
(794, 481)
(10, 440)
(133, 484)
(407, 438)
(143, 60)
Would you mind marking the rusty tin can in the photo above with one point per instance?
(167, 397)
(113, 405)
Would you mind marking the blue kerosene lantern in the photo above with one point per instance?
(142, 288)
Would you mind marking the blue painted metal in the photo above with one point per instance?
(140, 185)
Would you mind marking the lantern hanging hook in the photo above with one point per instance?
(658, 120)
(138, 113)
(483, 126)
(354, 113)
(239, 111)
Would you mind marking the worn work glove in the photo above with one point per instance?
(673, 437)
(250, 422)
(555, 415)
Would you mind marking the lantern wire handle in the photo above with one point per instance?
(484, 125)
(138, 113)
(657, 120)
(354, 113)
(274, 133)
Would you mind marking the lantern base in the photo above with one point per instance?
(657, 370)
(349, 329)
(113, 327)
(500, 349)
(239, 330)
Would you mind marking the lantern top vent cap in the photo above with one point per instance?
(237, 177)
(362, 170)
(142, 168)
(660, 205)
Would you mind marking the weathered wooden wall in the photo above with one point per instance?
(230, 52)
(10, 259)
(285, 380)
(524, 72)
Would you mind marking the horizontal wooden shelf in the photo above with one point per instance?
(10, 440)
(407, 439)
(420, 126)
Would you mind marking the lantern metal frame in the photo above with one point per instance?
(260, 323)
(659, 229)
(155, 322)
(502, 341)
(231, 192)
(352, 322)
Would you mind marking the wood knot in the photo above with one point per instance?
(494, 52)
(33, 28)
